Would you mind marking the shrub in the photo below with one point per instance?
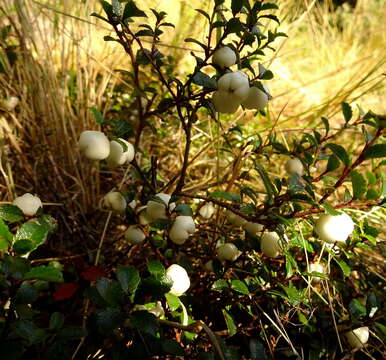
(238, 281)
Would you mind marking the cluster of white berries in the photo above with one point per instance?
(95, 145)
(233, 87)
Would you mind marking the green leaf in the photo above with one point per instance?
(234, 25)
(106, 321)
(270, 188)
(183, 209)
(219, 285)
(34, 231)
(10, 213)
(356, 309)
(204, 80)
(268, 6)
(236, 6)
(373, 152)
(22, 247)
(270, 16)
(117, 9)
(196, 42)
(173, 301)
(257, 350)
(240, 287)
(108, 9)
(344, 267)
(359, 184)
(129, 279)
(28, 331)
(225, 195)
(25, 294)
(15, 266)
(110, 291)
(268, 75)
(326, 124)
(232, 329)
(172, 347)
(46, 273)
(145, 322)
(341, 153)
(131, 10)
(56, 320)
(156, 269)
(202, 12)
(5, 236)
(329, 209)
(333, 163)
(347, 111)
(98, 115)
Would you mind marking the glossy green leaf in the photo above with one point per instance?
(359, 184)
(376, 151)
(47, 273)
(341, 153)
(10, 213)
(128, 278)
(232, 329)
(5, 236)
(347, 111)
(240, 287)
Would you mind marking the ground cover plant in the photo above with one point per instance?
(216, 239)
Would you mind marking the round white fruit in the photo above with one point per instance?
(333, 229)
(181, 229)
(358, 337)
(227, 251)
(209, 266)
(225, 102)
(224, 57)
(270, 244)
(94, 145)
(235, 83)
(319, 268)
(179, 278)
(253, 228)
(118, 156)
(234, 218)
(28, 204)
(207, 210)
(114, 200)
(294, 166)
(256, 99)
(157, 210)
(134, 235)
(10, 103)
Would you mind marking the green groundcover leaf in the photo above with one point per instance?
(47, 273)
(10, 213)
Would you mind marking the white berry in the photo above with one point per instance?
(156, 210)
(207, 210)
(235, 83)
(9, 104)
(118, 156)
(252, 228)
(225, 102)
(358, 337)
(234, 218)
(227, 251)
(181, 229)
(294, 166)
(28, 204)
(256, 99)
(114, 200)
(94, 145)
(134, 235)
(270, 244)
(333, 229)
(319, 268)
(224, 57)
(179, 278)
